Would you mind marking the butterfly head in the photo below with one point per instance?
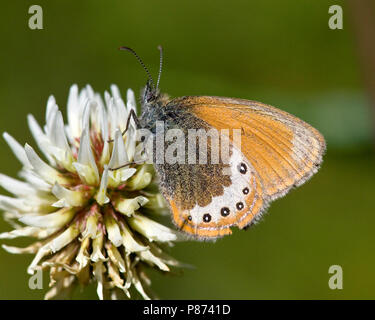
(150, 94)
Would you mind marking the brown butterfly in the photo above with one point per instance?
(278, 152)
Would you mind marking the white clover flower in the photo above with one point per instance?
(91, 223)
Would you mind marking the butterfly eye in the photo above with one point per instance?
(239, 205)
(190, 218)
(150, 96)
(206, 217)
(242, 168)
(245, 190)
(225, 211)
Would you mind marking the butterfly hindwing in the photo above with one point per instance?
(237, 205)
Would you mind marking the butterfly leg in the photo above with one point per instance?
(133, 115)
(125, 165)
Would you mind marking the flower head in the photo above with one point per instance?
(91, 223)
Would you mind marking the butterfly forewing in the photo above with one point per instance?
(284, 150)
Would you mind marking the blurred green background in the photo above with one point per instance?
(281, 53)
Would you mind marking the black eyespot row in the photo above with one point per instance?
(225, 211)
(206, 217)
(245, 190)
(242, 168)
(239, 205)
(190, 218)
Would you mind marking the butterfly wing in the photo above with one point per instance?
(207, 200)
(278, 150)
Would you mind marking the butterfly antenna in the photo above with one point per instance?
(160, 66)
(141, 63)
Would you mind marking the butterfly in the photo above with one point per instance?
(278, 152)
